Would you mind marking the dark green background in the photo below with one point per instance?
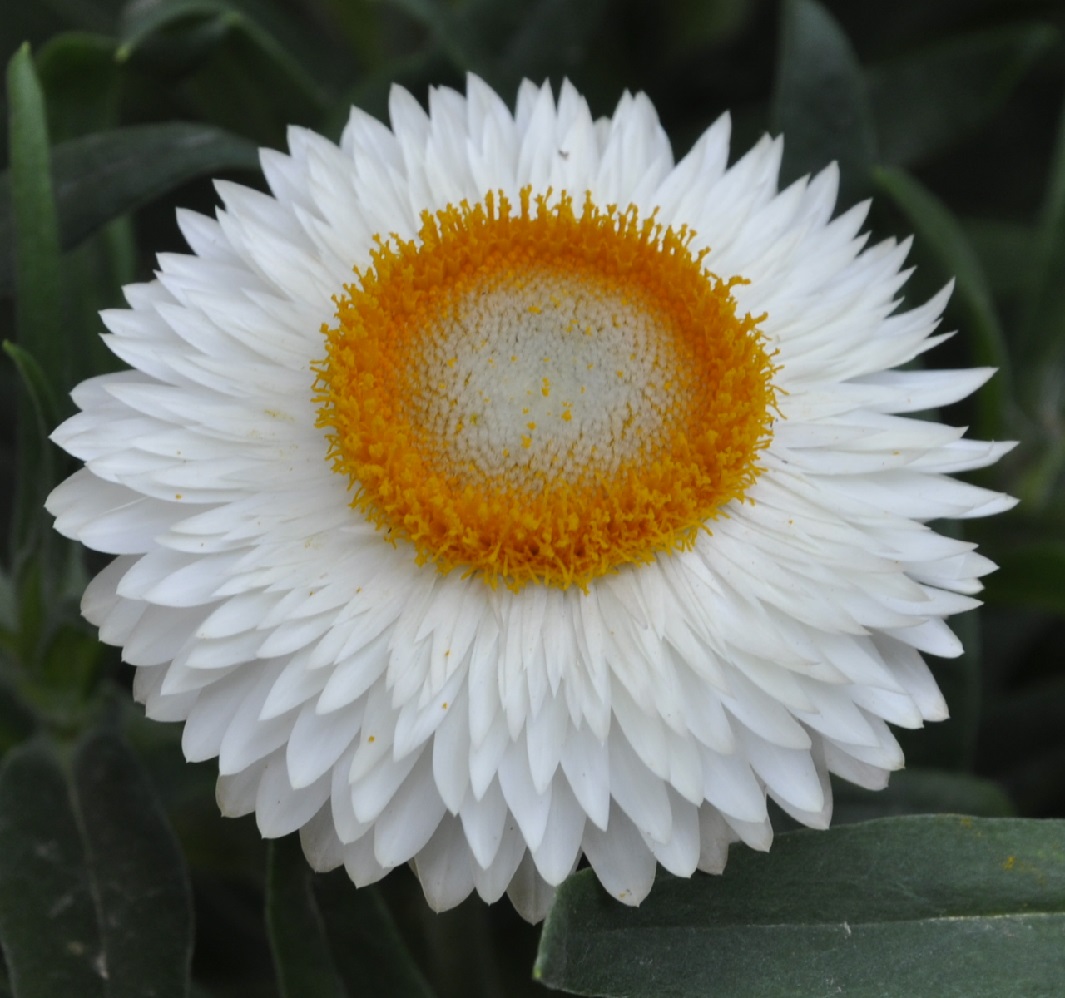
(112, 855)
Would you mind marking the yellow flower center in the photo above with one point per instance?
(541, 394)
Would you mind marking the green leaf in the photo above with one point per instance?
(947, 906)
(32, 237)
(298, 942)
(80, 75)
(68, 675)
(244, 54)
(820, 102)
(32, 216)
(143, 22)
(368, 952)
(329, 939)
(34, 21)
(140, 885)
(48, 924)
(96, 272)
(940, 236)
(81, 79)
(926, 101)
(93, 893)
(104, 175)
(1005, 251)
(42, 398)
(32, 610)
(180, 47)
(216, 848)
(38, 413)
(17, 722)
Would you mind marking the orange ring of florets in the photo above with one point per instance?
(562, 532)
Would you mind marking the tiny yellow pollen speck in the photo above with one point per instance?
(531, 426)
(567, 415)
(371, 739)
(1009, 864)
(443, 706)
(535, 309)
(178, 495)
(526, 441)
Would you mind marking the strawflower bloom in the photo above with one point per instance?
(497, 491)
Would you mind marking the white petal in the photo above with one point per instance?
(621, 860)
(279, 809)
(529, 807)
(322, 847)
(529, 893)
(410, 818)
(500, 874)
(316, 742)
(680, 855)
(585, 762)
(559, 850)
(484, 823)
(445, 866)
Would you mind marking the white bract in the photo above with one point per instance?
(494, 730)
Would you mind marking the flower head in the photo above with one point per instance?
(497, 492)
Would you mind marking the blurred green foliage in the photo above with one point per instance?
(948, 112)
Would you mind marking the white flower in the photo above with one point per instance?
(535, 539)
